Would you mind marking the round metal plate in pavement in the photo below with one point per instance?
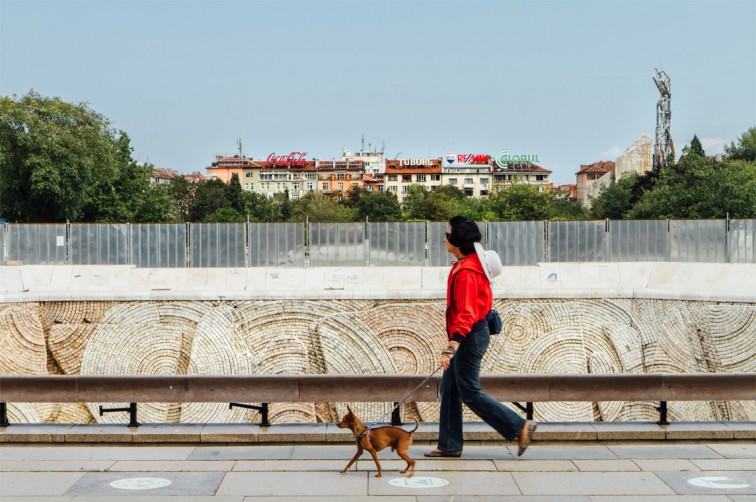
(419, 482)
(140, 483)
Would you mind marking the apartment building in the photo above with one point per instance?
(469, 172)
(521, 173)
(401, 174)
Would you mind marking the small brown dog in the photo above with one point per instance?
(377, 439)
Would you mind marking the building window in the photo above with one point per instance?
(370, 188)
(246, 186)
(484, 181)
(266, 176)
(483, 193)
(309, 186)
(405, 188)
(392, 177)
(407, 178)
(325, 186)
(435, 177)
(452, 181)
(247, 175)
(341, 176)
(295, 186)
(540, 177)
(340, 186)
(420, 178)
(392, 189)
(380, 188)
(468, 192)
(355, 185)
(469, 181)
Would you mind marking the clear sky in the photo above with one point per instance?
(570, 81)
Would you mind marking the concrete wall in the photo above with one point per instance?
(558, 318)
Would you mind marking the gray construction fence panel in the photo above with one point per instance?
(158, 245)
(638, 240)
(573, 241)
(396, 244)
(337, 244)
(217, 245)
(37, 244)
(99, 244)
(276, 244)
(698, 241)
(517, 242)
(2, 244)
(742, 241)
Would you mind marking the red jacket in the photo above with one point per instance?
(468, 296)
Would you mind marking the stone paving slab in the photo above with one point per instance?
(667, 464)
(699, 430)
(33, 484)
(592, 452)
(726, 464)
(171, 466)
(565, 432)
(36, 499)
(290, 465)
(72, 465)
(168, 433)
(665, 498)
(665, 451)
(181, 483)
(535, 465)
(711, 482)
(241, 453)
(330, 499)
(628, 431)
(230, 433)
(591, 483)
(606, 465)
(100, 433)
(101, 452)
(165, 498)
(735, 450)
(18, 452)
(513, 498)
(743, 430)
(34, 433)
(266, 484)
(296, 433)
(461, 484)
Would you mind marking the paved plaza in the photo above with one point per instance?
(599, 471)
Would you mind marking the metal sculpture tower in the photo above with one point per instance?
(664, 148)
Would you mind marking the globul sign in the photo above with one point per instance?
(503, 159)
(297, 159)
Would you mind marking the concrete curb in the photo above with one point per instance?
(329, 433)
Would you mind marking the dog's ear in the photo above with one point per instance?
(349, 410)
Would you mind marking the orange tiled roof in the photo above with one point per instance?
(525, 167)
(597, 167)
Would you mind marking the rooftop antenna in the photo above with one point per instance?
(383, 147)
(363, 144)
(664, 148)
(370, 145)
(239, 146)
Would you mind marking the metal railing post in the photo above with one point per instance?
(4, 415)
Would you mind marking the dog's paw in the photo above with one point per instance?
(379, 475)
(403, 472)
(342, 472)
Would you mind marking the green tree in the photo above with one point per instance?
(234, 194)
(695, 147)
(209, 196)
(745, 149)
(260, 208)
(180, 191)
(55, 157)
(567, 209)
(616, 200)
(521, 202)
(474, 208)
(283, 205)
(353, 196)
(379, 206)
(318, 208)
(224, 215)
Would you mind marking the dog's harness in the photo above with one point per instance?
(366, 431)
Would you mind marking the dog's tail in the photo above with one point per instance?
(417, 424)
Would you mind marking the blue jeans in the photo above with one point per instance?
(461, 384)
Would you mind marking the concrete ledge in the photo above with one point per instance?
(329, 433)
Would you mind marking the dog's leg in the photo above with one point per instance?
(410, 463)
(354, 459)
(377, 464)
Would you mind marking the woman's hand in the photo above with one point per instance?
(445, 359)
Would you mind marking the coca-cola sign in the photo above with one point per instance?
(294, 159)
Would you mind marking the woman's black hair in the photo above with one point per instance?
(464, 233)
